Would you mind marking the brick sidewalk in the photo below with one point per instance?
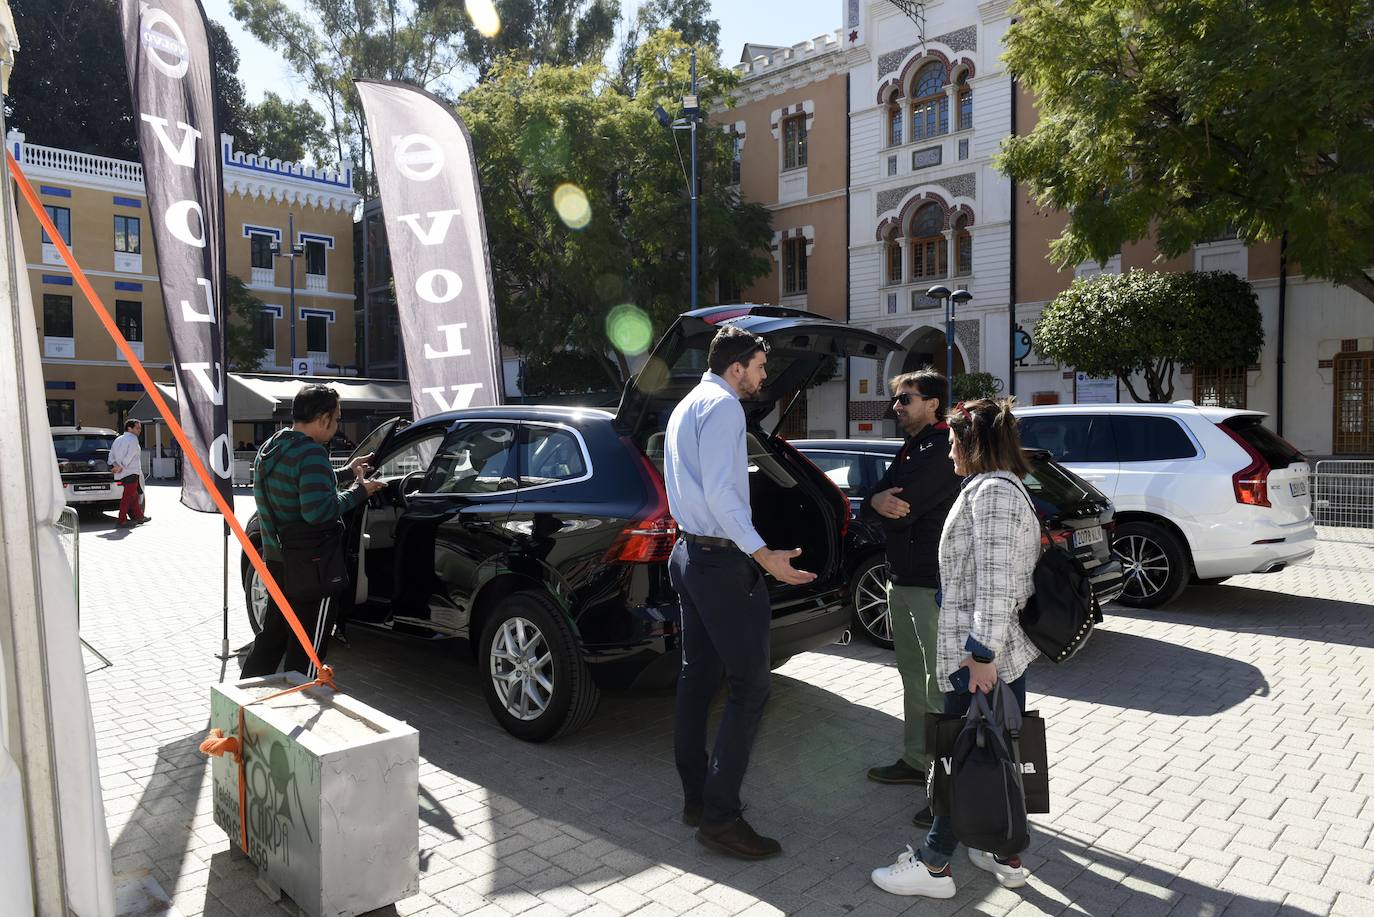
(1213, 757)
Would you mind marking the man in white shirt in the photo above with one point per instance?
(726, 613)
(126, 461)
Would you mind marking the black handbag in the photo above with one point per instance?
(942, 731)
(1060, 615)
(987, 793)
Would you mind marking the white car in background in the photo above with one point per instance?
(1201, 493)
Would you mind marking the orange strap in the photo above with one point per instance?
(217, 743)
(187, 450)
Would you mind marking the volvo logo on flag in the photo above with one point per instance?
(428, 181)
(167, 50)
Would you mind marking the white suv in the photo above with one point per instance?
(1201, 493)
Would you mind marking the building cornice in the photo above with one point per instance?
(244, 175)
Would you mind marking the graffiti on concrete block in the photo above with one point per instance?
(274, 802)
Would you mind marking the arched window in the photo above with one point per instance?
(892, 256)
(929, 250)
(963, 247)
(894, 119)
(964, 99)
(929, 104)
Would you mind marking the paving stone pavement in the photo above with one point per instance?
(1215, 757)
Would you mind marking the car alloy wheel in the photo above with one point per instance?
(258, 600)
(522, 669)
(1145, 565)
(871, 611)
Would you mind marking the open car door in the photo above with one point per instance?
(805, 350)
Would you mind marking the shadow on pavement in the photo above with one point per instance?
(1154, 676)
(1243, 610)
(603, 805)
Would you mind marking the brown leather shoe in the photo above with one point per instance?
(691, 814)
(738, 839)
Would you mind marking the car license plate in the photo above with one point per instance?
(1297, 488)
(1084, 537)
(91, 487)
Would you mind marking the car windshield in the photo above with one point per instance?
(71, 445)
(1056, 486)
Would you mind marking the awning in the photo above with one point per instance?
(265, 398)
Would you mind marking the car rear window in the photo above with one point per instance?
(1054, 486)
(1069, 437)
(73, 444)
(1274, 449)
(1151, 439)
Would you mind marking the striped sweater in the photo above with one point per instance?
(293, 482)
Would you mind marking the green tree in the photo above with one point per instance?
(1149, 323)
(561, 32)
(1186, 117)
(245, 349)
(330, 43)
(691, 19)
(289, 131)
(972, 386)
(70, 88)
(537, 129)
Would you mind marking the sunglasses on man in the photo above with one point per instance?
(905, 398)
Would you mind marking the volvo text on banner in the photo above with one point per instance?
(427, 177)
(171, 78)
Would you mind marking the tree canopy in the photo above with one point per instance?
(625, 241)
(1150, 323)
(1184, 118)
(242, 309)
(559, 32)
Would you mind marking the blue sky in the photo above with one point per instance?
(768, 22)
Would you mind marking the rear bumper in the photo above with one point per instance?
(1107, 581)
(652, 663)
(108, 493)
(1234, 556)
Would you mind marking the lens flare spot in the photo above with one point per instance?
(485, 19)
(630, 329)
(572, 205)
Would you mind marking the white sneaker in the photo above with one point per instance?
(1009, 873)
(910, 876)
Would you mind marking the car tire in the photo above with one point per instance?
(255, 597)
(868, 603)
(538, 697)
(1154, 564)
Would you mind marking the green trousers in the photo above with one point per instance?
(915, 621)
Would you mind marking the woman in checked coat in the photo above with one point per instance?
(988, 551)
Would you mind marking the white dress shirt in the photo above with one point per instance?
(706, 465)
(127, 453)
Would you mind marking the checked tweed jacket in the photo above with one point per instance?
(988, 551)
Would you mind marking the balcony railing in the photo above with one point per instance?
(316, 282)
(47, 157)
(263, 277)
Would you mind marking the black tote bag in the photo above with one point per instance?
(941, 732)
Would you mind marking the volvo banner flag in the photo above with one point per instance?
(170, 73)
(427, 177)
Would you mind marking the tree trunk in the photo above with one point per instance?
(1363, 284)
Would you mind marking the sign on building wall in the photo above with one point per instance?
(1093, 390)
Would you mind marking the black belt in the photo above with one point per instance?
(708, 540)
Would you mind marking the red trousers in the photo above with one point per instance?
(130, 505)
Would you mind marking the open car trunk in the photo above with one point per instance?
(794, 504)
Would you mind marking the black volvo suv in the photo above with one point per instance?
(541, 534)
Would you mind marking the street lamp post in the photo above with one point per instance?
(691, 115)
(294, 250)
(941, 293)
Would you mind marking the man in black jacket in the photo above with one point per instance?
(911, 501)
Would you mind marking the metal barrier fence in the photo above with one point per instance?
(1342, 493)
(69, 533)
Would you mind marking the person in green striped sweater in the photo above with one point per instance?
(297, 491)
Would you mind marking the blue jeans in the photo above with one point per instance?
(941, 842)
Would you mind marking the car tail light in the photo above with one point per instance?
(1063, 539)
(649, 539)
(1251, 483)
(846, 513)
